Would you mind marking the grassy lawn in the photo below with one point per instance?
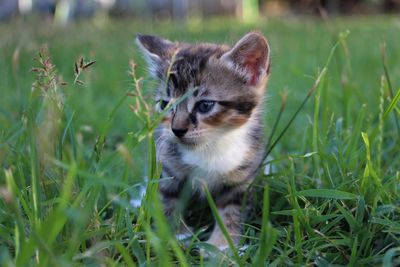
(74, 156)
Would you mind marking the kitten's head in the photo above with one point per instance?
(227, 83)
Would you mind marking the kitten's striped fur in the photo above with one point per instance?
(215, 135)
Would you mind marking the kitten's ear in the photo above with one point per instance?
(250, 57)
(157, 51)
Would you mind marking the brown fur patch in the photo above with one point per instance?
(226, 117)
(237, 120)
(218, 119)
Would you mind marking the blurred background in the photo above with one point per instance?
(180, 10)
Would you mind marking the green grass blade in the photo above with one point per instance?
(101, 139)
(354, 225)
(221, 225)
(355, 138)
(19, 228)
(268, 234)
(67, 128)
(326, 193)
(125, 254)
(353, 255)
(34, 164)
(387, 76)
(277, 120)
(392, 104)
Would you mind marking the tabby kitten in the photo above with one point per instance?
(214, 136)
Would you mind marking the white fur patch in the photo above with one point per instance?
(220, 156)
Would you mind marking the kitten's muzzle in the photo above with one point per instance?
(179, 132)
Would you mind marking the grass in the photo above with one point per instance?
(74, 155)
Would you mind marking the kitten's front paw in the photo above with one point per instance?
(183, 233)
(218, 240)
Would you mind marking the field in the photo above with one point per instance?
(77, 156)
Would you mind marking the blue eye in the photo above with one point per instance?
(205, 106)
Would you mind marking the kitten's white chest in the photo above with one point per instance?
(219, 157)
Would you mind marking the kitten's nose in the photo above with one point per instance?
(179, 132)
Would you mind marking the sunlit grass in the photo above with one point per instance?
(75, 154)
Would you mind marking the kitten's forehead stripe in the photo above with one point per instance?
(188, 67)
(205, 92)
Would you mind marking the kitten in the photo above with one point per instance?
(214, 136)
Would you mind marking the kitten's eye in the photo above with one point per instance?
(205, 106)
(163, 104)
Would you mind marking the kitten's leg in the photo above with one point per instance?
(174, 204)
(169, 204)
(169, 188)
(175, 219)
(231, 217)
(229, 200)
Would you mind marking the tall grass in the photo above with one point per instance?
(79, 176)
